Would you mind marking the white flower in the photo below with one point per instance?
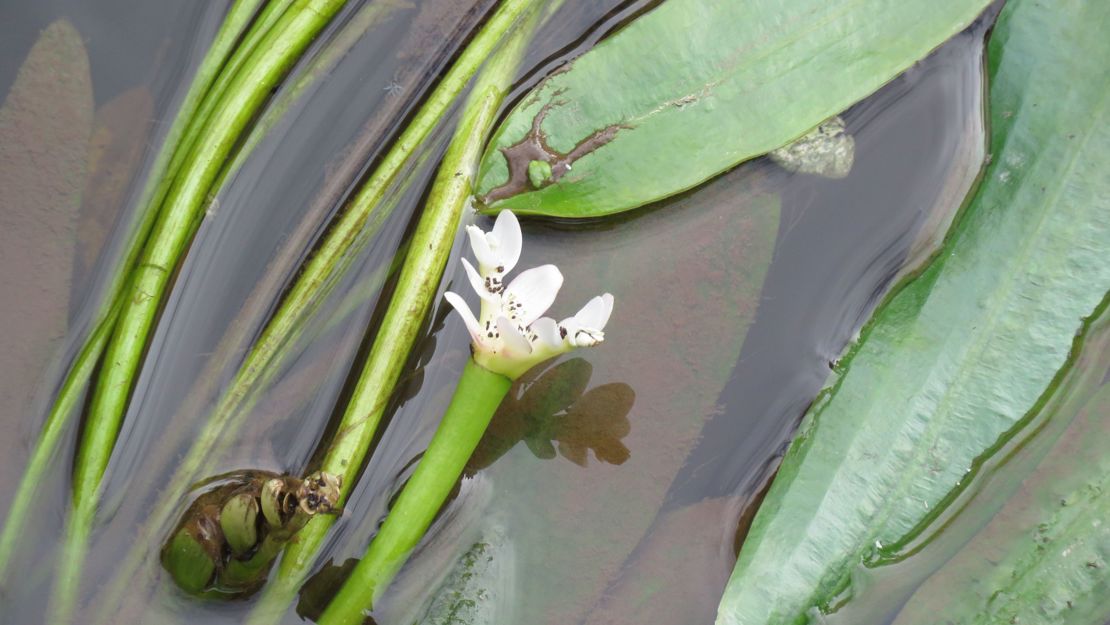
(509, 336)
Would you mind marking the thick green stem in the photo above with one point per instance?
(418, 282)
(260, 30)
(175, 226)
(176, 223)
(476, 398)
(80, 370)
(230, 345)
(263, 362)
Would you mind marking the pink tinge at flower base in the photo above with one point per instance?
(509, 336)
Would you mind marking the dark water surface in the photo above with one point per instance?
(638, 482)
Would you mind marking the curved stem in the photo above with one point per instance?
(233, 342)
(175, 226)
(476, 398)
(269, 17)
(73, 387)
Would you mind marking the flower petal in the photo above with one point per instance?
(588, 337)
(516, 344)
(468, 317)
(568, 328)
(477, 282)
(595, 314)
(531, 293)
(509, 240)
(547, 333)
(480, 245)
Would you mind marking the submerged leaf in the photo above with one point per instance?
(45, 123)
(653, 111)
(478, 590)
(959, 356)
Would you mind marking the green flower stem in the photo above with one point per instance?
(174, 227)
(81, 369)
(476, 398)
(418, 282)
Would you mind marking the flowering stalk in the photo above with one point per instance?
(423, 268)
(509, 338)
(476, 398)
(363, 215)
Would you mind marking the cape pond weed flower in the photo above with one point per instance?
(509, 335)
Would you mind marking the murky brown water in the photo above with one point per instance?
(635, 479)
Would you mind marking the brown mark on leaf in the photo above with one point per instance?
(119, 134)
(534, 147)
(45, 123)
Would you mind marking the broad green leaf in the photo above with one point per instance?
(45, 123)
(1045, 557)
(693, 88)
(960, 355)
(579, 505)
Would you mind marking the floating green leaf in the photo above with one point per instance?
(1045, 557)
(959, 356)
(653, 110)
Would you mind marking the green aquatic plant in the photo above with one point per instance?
(508, 338)
(572, 150)
(228, 537)
(103, 323)
(276, 43)
(510, 30)
(424, 264)
(958, 357)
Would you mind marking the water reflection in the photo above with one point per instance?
(550, 409)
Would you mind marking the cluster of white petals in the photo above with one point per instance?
(509, 335)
